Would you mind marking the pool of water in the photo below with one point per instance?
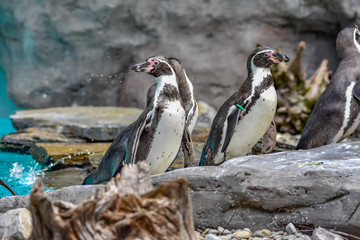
(19, 171)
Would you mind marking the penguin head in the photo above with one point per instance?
(264, 57)
(348, 41)
(156, 66)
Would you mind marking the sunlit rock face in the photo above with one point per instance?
(60, 53)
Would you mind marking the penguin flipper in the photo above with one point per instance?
(113, 160)
(133, 144)
(269, 139)
(232, 120)
(356, 89)
(187, 148)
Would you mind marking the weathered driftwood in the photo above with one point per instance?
(125, 208)
(296, 93)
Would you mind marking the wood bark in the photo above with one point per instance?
(126, 208)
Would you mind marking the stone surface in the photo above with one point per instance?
(318, 186)
(291, 229)
(61, 178)
(308, 187)
(62, 155)
(91, 123)
(211, 237)
(322, 234)
(239, 234)
(15, 224)
(75, 53)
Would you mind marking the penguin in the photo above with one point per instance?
(186, 91)
(190, 105)
(114, 158)
(336, 114)
(244, 118)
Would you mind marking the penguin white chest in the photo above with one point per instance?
(167, 138)
(252, 127)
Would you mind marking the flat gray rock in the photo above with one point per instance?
(308, 187)
(92, 123)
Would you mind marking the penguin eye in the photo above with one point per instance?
(268, 54)
(156, 63)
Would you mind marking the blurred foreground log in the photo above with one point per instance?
(125, 208)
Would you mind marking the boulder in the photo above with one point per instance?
(313, 187)
(16, 224)
(74, 53)
(322, 234)
(305, 187)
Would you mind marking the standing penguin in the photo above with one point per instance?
(114, 158)
(244, 118)
(336, 114)
(159, 130)
(190, 106)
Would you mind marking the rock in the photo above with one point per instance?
(241, 234)
(322, 234)
(223, 231)
(74, 194)
(22, 140)
(257, 233)
(274, 234)
(61, 178)
(291, 229)
(211, 237)
(289, 237)
(213, 231)
(71, 53)
(16, 224)
(61, 155)
(266, 232)
(308, 187)
(91, 123)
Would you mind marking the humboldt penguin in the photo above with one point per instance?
(186, 94)
(113, 160)
(336, 114)
(244, 118)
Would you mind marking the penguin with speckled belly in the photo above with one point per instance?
(190, 106)
(336, 114)
(244, 118)
(114, 158)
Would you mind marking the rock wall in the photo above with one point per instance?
(75, 52)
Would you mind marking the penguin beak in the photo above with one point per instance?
(278, 57)
(141, 67)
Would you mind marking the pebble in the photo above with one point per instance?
(290, 229)
(290, 233)
(211, 237)
(223, 231)
(278, 233)
(241, 234)
(213, 231)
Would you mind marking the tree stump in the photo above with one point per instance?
(126, 208)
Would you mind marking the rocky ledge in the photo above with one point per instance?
(318, 187)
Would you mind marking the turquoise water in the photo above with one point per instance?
(19, 171)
